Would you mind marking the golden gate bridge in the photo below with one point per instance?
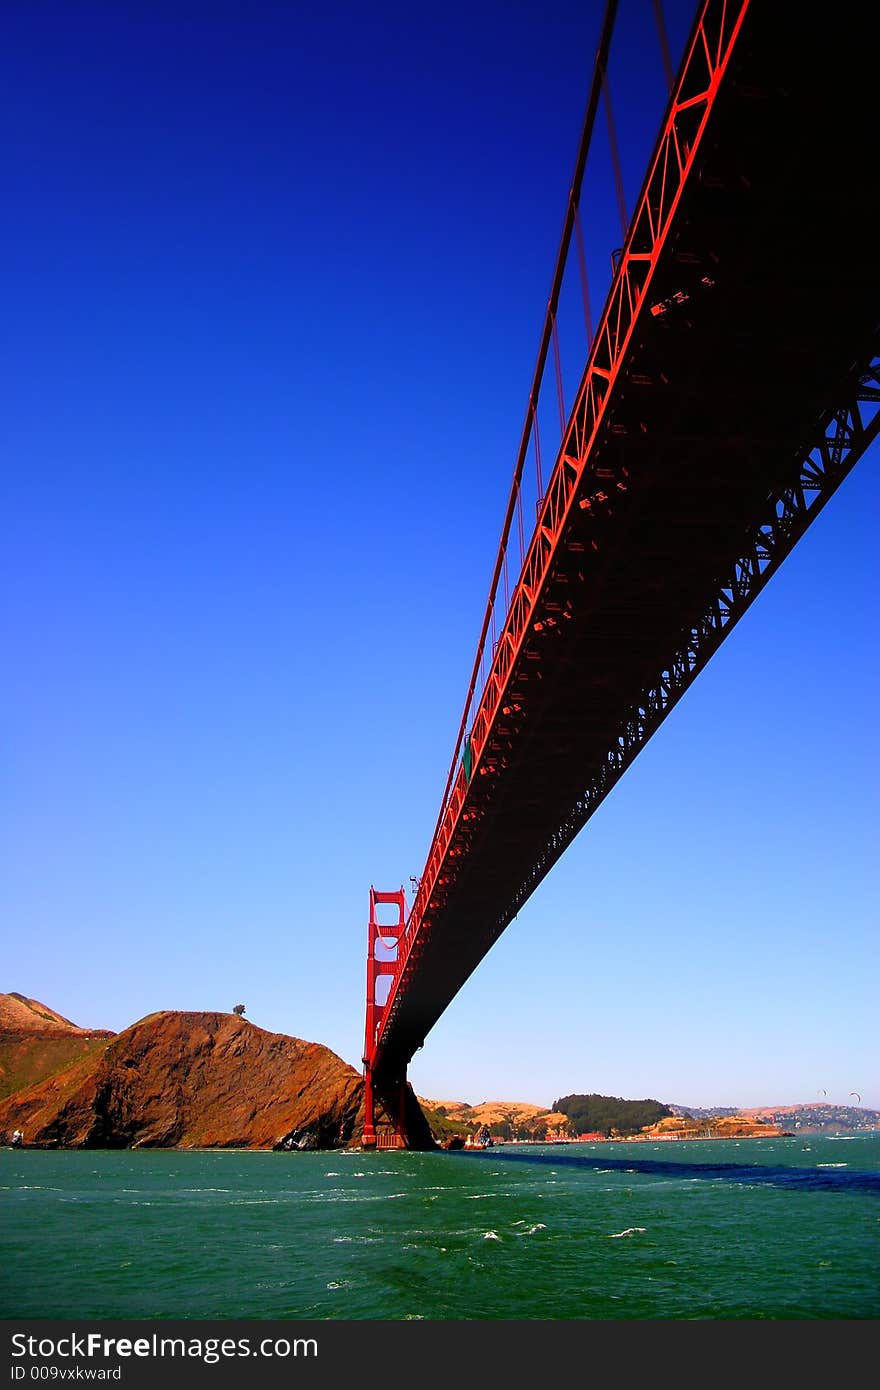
(729, 385)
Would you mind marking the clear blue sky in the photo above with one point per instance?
(273, 281)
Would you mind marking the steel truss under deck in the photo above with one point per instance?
(851, 429)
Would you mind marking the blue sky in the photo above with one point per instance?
(274, 280)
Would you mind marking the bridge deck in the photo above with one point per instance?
(762, 310)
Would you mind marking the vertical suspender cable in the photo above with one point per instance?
(615, 155)
(539, 472)
(664, 44)
(522, 548)
(585, 289)
(559, 396)
(586, 136)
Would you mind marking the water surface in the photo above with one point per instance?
(786, 1228)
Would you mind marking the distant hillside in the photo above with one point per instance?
(809, 1117)
(736, 1126)
(193, 1080)
(818, 1119)
(36, 1042)
(513, 1120)
(505, 1120)
(19, 1014)
(702, 1113)
(609, 1115)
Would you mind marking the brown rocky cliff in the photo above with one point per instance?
(194, 1080)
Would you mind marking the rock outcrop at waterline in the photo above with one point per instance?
(194, 1080)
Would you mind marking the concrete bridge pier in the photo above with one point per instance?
(393, 1118)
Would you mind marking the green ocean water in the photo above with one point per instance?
(776, 1229)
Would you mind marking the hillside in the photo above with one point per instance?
(721, 1127)
(20, 1015)
(36, 1042)
(504, 1119)
(811, 1117)
(193, 1080)
(823, 1118)
(609, 1115)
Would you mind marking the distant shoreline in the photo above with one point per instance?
(638, 1139)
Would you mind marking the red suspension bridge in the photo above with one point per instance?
(729, 386)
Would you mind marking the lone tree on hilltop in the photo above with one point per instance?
(239, 1009)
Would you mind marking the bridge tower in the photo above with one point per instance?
(383, 949)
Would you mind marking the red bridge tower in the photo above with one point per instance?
(383, 946)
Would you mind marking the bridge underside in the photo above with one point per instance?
(759, 326)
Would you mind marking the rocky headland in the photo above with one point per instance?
(190, 1080)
